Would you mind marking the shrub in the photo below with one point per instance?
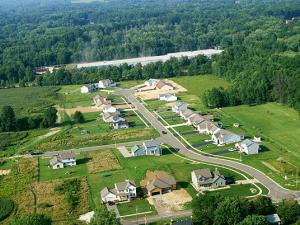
(6, 207)
(32, 219)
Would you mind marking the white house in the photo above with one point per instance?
(162, 85)
(257, 139)
(178, 107)
(168, 97)
(224, 137)
(88, 88)
(121, 124)
(186, 114)
(106, 83)
(148, 148)
(247, 146)
(273, 219)
(205, 179)
(62, 160)
(101, 101)
(109, 109)
(123, 191)
(151, 82)
(112, 117)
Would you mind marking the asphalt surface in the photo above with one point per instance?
(276, 192)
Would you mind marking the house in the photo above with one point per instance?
(87, 217)
(247, 146)
(195, 119)
(101, 101)
(151, 82)
(202, 127)
(224, 137)
(148, 148)
(205, 179)
(168, 97)
(186, 114)
(273, 219)
(161, 185)
(62, 160)
(109, 109)
(112, 117)
(121, 124)
(178, 107)
(88, 89)
(106, 83)
(212, 128)
(162, 85)
(122, 191)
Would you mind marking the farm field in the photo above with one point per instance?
(30, 100)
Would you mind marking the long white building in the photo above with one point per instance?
(150, 59)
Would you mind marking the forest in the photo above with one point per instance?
(261, 40)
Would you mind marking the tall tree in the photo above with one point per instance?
(8, 119)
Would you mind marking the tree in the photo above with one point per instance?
(254, 220)
(215, 98)
(8, 119)
(288, 211)
(78, 117)
(105, 217)
(204, 207)
(49, 118)
(32, 219)
(231, 211)
(263, 205)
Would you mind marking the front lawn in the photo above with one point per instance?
(139, 206)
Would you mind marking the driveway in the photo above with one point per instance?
(125, 153)
(277, 192)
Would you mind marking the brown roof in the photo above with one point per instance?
(161, 182)
(161, 83)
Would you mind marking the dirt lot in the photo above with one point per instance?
(154, 94)
(151, 175)
(102, 161)
(172, 201)
(88, 109)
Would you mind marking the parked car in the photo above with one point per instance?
(36, 153)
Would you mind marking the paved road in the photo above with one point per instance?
(85, 149)
(277, 192)
(155, 218)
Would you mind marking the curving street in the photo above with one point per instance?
(277, 192)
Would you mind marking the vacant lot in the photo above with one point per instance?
(102, 161)
(278, 125)
(29, 100)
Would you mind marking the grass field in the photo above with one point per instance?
(277, 124)
(29, 100)
(136, 207)
(196, 87)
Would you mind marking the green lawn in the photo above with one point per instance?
(196, 87)
(140, 206)
(6, 164)
(237, 190)
(46, 173)
(130, 83)
(278, 125)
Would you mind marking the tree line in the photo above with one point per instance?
(216, 209)
(9, 122)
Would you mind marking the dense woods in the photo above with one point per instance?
(260, 39)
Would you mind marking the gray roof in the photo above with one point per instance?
(62, 156)
(161, 182)
(273, 218)
(187, 113)
(105, 191)
(168, 95)
(151, 143)
(135, 148)
(203, 173)
(121, 186)
(249, 143)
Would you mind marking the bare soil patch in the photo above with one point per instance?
(4, 172)
(87, 109)
(154, 94)
(102, 161)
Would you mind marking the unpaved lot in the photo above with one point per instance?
(87, 109)
(154, 94)
(172, 201)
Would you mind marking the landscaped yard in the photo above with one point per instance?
(140, 206)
